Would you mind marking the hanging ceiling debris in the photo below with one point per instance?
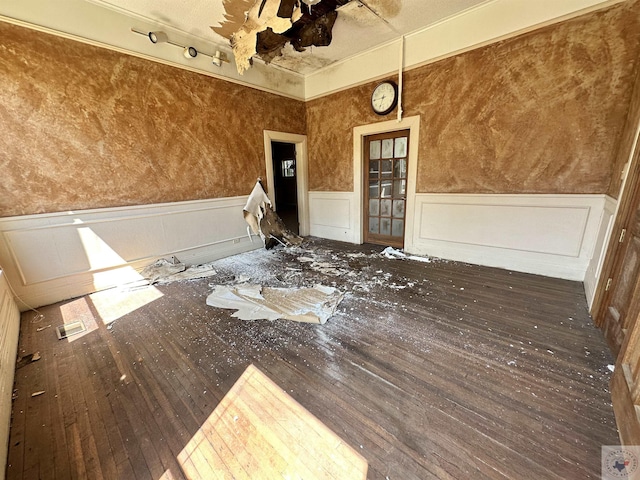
(263, 221)
(269, 25)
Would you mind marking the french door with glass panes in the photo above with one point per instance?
(385, 192)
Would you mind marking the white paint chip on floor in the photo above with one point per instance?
(254, 302)
(394, 254)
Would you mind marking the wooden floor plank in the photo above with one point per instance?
(293, 432)
(428, 370)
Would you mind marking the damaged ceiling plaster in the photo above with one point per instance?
(271, 24)
(290, 34)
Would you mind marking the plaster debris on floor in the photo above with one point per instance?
(254, 302)
(304, 283)
(166, 271)
(394, 253)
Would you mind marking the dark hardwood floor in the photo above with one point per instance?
(429, 370)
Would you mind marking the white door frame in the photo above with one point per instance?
(302, 183)
(408, 123)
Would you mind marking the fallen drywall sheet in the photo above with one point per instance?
(253, 302)
(164, 271)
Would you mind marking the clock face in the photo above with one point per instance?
(384, 98)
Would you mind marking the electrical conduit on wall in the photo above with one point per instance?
(400, 74)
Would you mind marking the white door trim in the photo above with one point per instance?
(302, 182)
(413, 125)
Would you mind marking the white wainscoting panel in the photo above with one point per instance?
(594, 269)
(9, 330)
(332, 215)
(553, 235)
(56, 256)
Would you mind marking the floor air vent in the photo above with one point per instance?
(69, 329)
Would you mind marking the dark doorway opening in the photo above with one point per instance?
(285, 183)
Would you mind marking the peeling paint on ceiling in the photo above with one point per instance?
(235, 14)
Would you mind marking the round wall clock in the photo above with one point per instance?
(384, 97)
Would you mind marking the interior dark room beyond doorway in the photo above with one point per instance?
(285, 182)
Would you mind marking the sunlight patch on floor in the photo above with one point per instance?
(76, 311)
(259, 431)
(115, 303)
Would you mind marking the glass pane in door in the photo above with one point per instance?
(374, 169)
(374, 207)
(385, 208)
(400, 147)
(373, 225)
(374, 150)
(387, 148)
(397, 230)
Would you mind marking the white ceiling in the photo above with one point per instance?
(357, 29)
(365, 46)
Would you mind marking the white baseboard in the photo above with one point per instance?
(52, 257)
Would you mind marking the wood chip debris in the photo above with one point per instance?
(27, 359)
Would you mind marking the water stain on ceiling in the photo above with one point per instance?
(385, 8)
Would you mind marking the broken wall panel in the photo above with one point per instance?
(118, 130)
(538, 113)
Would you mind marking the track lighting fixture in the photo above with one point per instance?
(187, 51)
(158, 37)
(219, 58)
(190, 52)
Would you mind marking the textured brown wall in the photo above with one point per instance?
(628, 138)
(538, 113)
(84, 127)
